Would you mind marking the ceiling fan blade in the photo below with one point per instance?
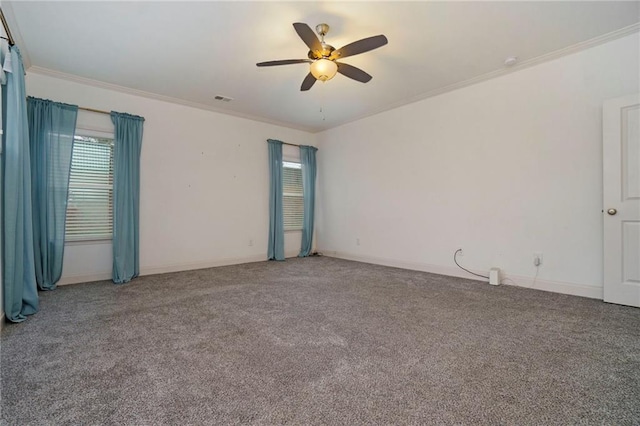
(283, 62)
(309, 37)
(308, 82)
(360, 46)
(353, 72)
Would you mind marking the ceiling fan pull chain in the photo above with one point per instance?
(322, 101)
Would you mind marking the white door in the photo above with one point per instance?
(621, 214)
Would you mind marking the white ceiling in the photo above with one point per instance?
(192, 51)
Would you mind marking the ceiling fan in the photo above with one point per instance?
(323, 57)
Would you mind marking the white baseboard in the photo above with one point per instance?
(209, 264)
(87, 278)
(164, 269)
(582, 290)
(590, 291)
(177, 267)
(593, 292)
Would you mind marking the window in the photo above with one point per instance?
(292, 207)
(90, 202)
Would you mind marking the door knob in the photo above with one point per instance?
(612, 211)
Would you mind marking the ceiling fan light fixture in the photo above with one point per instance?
(324, 69)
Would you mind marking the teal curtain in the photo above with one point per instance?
(126, 196)
(275, 249)
(52, 126)
(308, 161)
(19, 276)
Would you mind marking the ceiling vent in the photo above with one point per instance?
(222, 98)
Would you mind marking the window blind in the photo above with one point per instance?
(292, 206)
(90, 202)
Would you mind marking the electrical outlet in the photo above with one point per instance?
(357, 241)
(460, 252)
(250, 243)
(537, 259)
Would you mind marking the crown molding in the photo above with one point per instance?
(136, 92)
(556, 54)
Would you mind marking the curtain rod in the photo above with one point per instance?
(99, 111)
(286, 143)
(9, 37)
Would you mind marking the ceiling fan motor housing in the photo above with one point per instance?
(326, 51)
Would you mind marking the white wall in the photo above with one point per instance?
(204, 183)
(502, 169)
